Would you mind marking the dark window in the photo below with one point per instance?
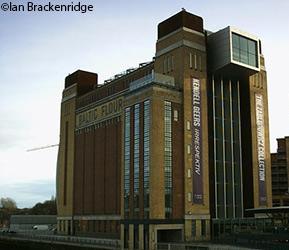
(244, 50)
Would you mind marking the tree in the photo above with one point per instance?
(8, 203)
(46, 208)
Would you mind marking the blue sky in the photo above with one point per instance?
(37, 51)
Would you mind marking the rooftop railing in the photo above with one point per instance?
(152, 78)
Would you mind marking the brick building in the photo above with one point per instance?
(280, 173)
(160, 151)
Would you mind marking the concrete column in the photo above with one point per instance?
(121, 236)
(188, 230)
(58, 226)
(153, 237)
(141, 237)
(66, 226)
(131, 237)
(198, 230)
(71, 227)
(208, 230)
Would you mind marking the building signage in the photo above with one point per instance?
(197, 142)
(261, 148)
(99, 113)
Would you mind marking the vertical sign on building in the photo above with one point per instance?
(197, 142)
(261, 148)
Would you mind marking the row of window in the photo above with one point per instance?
(227, 148)
(195, 62)
(136, 161)
(146, 156)
(126, 159)
(128, 129)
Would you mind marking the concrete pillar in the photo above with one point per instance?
(208, 230)
(66, 226)
(131, 237)
(141, 237)
(121, 236)
(58, 226)
(198, 230)
(188, 230)
(153, 237)
(71, 227)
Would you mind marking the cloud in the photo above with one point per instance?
(27, 194)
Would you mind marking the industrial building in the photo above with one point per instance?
(280, 170)
(162, 152)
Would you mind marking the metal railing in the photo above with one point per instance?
(72, 240)
(152, 78)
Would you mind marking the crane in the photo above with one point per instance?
(43, 147)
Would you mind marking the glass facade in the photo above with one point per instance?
(168, 158)
(227, 148)
(244, 50)
(126, 161)
(136, 159)
(133, 138)
(146, 153)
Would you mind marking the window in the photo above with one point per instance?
(165, 66)
(227, 147)
(168, 64)
(188, 125)
(189, 197)
(136, 162)
(195, 62)
(244, 50)
(168, 157)
(146, 154)
(189, 173)
(176, 115)
(126, 160)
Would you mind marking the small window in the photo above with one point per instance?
(189, 149)
(191, 60)
(189, 173)
(188, 125)
(189, 197)
(169, 64)
(176, 115)
(165, 65)
(195, 60)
